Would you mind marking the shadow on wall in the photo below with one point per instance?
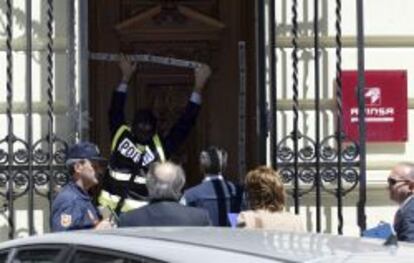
(384, 148)
(379, 208)
(40, 213)
(19, 19)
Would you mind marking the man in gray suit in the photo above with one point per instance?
(401, 188)
(165, 182)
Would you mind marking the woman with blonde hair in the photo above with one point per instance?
(266, 199)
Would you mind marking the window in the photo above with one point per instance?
(96, 256)
(145, 260)
(36, 256)
(3, 257)
(93, 257)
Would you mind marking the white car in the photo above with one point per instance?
(199, 245)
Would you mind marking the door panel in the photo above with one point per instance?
(202, 30)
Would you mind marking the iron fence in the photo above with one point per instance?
(309, 163)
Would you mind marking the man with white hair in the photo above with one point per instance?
(401, 188)
(164, 183)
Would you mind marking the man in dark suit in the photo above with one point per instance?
(401, 188)
(164, 183)
(215, 194)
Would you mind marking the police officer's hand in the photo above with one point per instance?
(201, 75)
(104, 224)
(127, 68)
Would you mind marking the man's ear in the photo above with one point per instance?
(76, 168)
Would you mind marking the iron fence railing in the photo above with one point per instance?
(309, 163)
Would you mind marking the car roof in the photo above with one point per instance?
(267, 245)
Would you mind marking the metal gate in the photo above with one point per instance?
(310, 162)
(32, 161)
(31, 168)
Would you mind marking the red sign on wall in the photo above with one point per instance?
(385, 95)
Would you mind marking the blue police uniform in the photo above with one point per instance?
(72, 209)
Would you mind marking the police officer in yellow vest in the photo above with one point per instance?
(135, 147)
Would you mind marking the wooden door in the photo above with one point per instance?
(203, 30)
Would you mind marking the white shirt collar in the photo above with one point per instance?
(210, 177)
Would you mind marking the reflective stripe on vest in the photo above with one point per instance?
(107, 200)
(124, 177)
(158, 146)
(118, 135)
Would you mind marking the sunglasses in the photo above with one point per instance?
(100, 167)
(392, 181)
